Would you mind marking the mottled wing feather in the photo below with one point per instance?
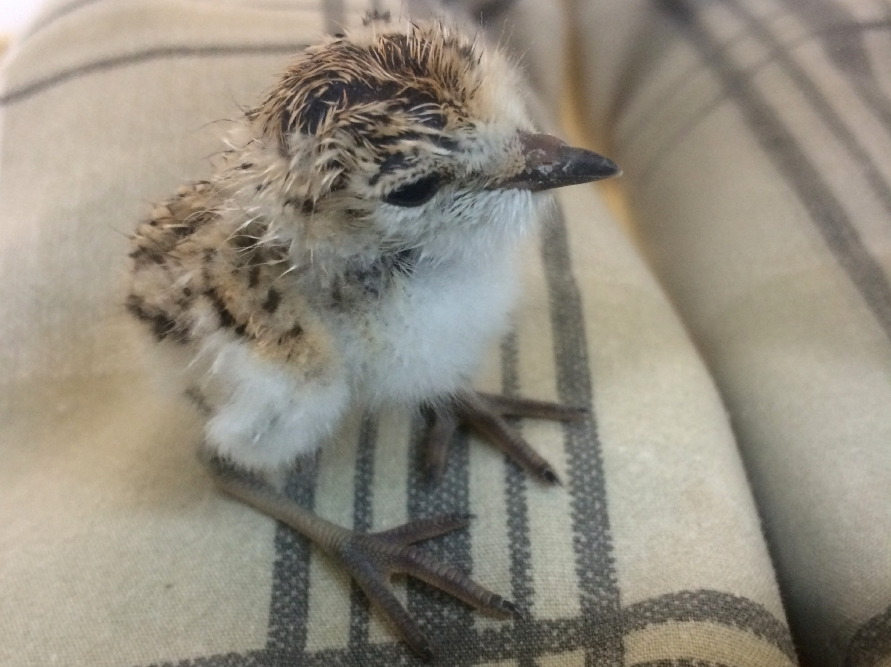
(197, 272)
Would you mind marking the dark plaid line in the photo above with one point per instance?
(445, 620)
(250, 659)
(680, 662)
(111, 63)
(288, 606)
(817, 101)
(827, 213)
(777, 52)
(540, 638)
(543, 638)
(843, 34)
(592, 540)
(680, 15)
(871, 643)
(713, 607)
(363, 484)
(826, 20)
(516, 501)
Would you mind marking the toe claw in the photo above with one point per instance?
(370, 558)
(486, 414)
(425, 653)
(511, 609)
(549, 476)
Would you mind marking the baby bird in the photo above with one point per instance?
(356, 247)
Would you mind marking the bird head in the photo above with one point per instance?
(402, 137)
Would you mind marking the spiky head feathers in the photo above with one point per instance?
(392, 96)
(386, 132)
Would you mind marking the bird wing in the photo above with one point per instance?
(261, 362)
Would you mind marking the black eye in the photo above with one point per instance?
(414, 193)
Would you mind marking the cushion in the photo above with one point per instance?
(756, 139)
(117, 548)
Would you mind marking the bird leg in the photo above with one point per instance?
(370, 558)
(485, 413)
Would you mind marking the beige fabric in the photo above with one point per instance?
(756, 137)
(116, 549)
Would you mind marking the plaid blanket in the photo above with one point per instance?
(733, 350)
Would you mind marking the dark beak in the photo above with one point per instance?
(551, 163)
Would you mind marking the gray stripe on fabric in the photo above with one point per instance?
(680, 662)
(843, 35)
(871, 643)
(288, 606)
(541, 638)
(363, 492)
(828, 214)
(517, 506)
(869, 93)
(595, 566)
(818, 102)
(444, 619)
(713, 607)
(251, 659)
(160, 53)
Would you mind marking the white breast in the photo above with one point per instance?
(427, 337)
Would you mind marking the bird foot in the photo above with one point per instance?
(371, 559)
(485, 413)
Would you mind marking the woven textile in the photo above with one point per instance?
(756, 137)
(115, 547)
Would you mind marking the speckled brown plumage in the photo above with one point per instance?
(355, 246)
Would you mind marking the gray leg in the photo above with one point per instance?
(370, 558)
(486, 414)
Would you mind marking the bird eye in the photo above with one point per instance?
(415, 193)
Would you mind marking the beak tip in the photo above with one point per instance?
(550, 163)
(595, 167)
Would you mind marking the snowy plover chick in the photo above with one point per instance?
(357, 246)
